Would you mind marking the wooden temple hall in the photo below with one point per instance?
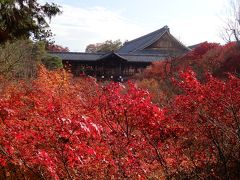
(130, 59)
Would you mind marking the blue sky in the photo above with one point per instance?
(94, 21)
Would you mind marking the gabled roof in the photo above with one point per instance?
(138, 45)
(143, 41)
(111, 55)
(133, 51)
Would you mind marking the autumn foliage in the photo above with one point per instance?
(216, 59)
(41, 136)
(60, 127)
(211, 113)
(56, 48)
(207, 57)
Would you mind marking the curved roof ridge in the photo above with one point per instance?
(111, 54)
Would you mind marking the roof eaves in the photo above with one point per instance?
(147, 55)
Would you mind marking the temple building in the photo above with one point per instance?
(131, 58)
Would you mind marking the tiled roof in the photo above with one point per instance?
(143, 41)
(132, 51)
(75, 56)
(70, 56)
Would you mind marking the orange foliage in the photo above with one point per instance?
(60, 127)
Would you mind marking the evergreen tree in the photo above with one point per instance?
(25, 19)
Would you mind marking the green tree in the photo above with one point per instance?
(106, 46)
(52, 62)
(26, 18)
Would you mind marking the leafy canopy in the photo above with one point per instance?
(26, 18)
(106, 46)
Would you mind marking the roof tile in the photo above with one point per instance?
(143, 41)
